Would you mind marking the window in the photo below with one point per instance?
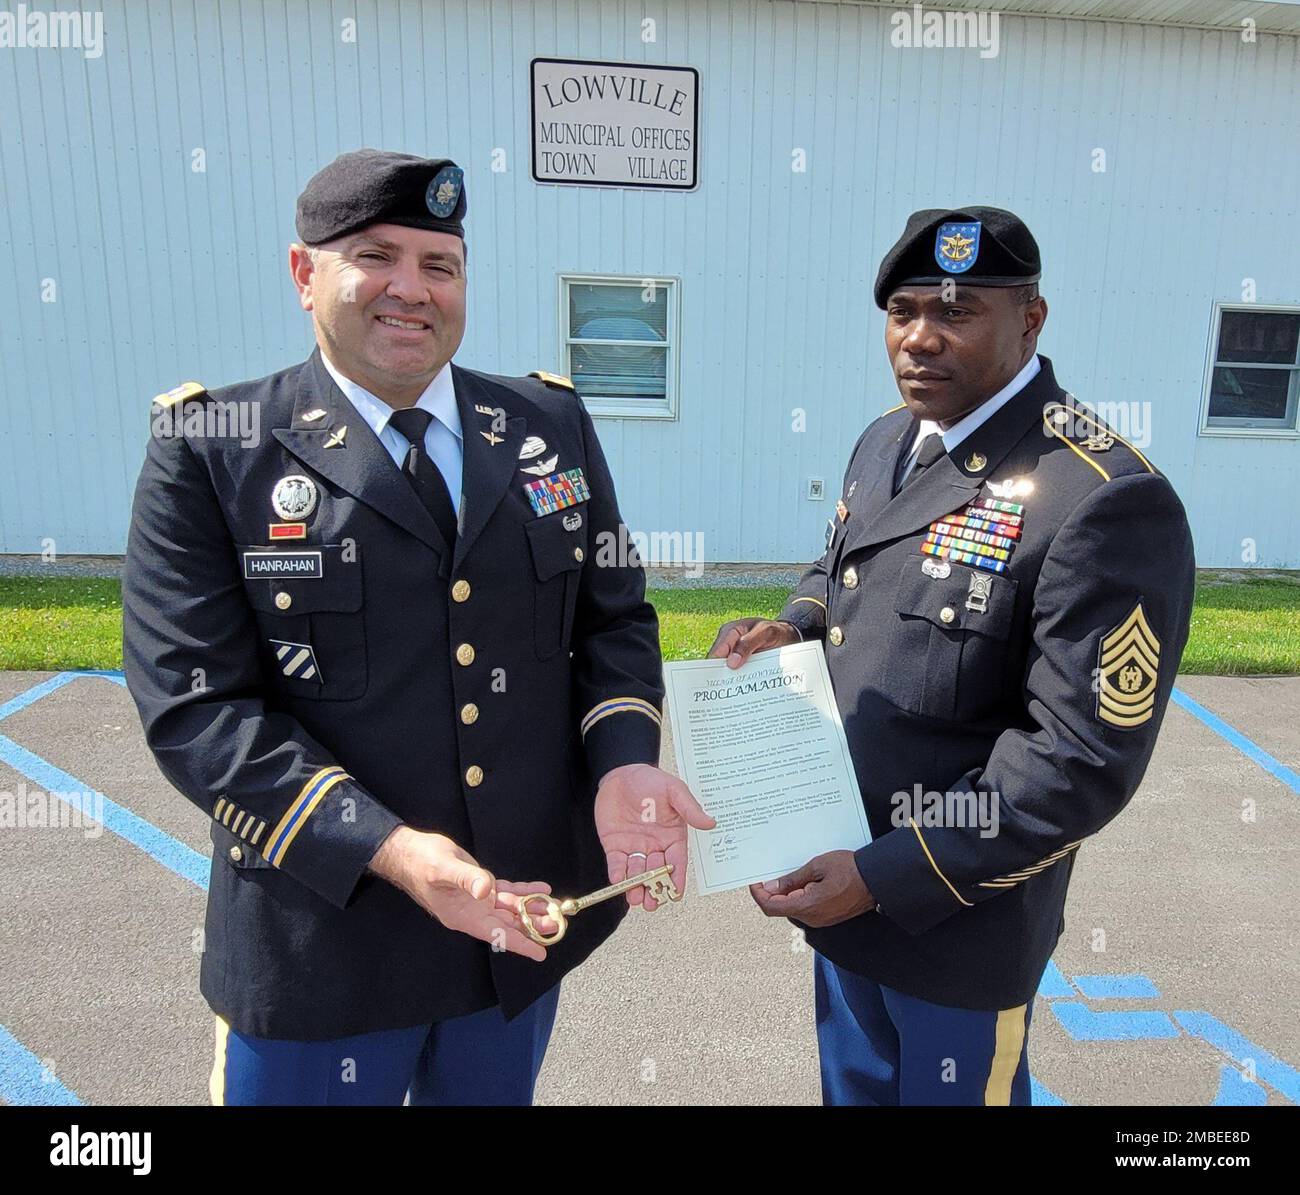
(620, 343)
(1254, 377)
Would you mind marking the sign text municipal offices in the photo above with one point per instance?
(615, 124)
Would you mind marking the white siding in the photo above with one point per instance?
(165, 275)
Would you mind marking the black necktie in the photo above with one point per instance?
(931, 450)
(423, 474)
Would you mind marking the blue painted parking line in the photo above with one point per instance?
(1082, 1024)
(1054, 984)
(1250, 749)
(45, 688)
(24, 1080)
(1041, 1097)
(161, 846)
(1116, 987)
(1243, 1051)
(1236, 1091)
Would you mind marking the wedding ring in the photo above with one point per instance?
(636, 855)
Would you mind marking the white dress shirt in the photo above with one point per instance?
(443, 441)
(968, 424)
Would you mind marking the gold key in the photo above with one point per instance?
(659, 887)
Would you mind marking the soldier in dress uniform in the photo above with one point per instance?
(1003, 599)
(376, 649)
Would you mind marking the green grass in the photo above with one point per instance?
(1239, 627)
(57, 623)
(1242, 627)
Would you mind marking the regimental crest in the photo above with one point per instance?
(1127, 672)
(444, 191)
(957, 246)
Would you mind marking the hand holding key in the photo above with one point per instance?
(658, 884)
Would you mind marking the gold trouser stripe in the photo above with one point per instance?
(814, 601)
(1009, 1040)
(217, 1083)
(911, 822)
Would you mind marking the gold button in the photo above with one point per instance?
(474, 776)
(850, 578)
(469, 714)
(283, 601)
(460, 591)
(465, 655)
(577, 555)
(947, 614)
(236, 854)
(837, 636)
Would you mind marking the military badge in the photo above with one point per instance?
(286, 531)
(1127, 671)
(444, 191)
(557, 491)
(294, 497)
(957, 246)
(533, 448)
(1013, 487)
(296, 660)
(336, 438)
(938, 569)
(572, 522)
(1101, 442)
(977, 595)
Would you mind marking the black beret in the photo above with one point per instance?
(979, 246)
(374, 186)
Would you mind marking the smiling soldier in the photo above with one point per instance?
(374, 650)
(1004, 598)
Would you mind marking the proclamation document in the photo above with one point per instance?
(763, 750)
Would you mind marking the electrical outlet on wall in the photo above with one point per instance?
(816, 489)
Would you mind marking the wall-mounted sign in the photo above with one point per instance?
(615, 124)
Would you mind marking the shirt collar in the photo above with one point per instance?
(439, 399)
(972, 422)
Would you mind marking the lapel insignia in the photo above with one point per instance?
(296, 660)
(312, 415)
(286, 531)
(842, 510)
(975, 462)
(572, 522)
(492, 438)
(830, 533)
(1128, 669)
(483, 410)
(557, 491)
(336, 438)
(294, 497)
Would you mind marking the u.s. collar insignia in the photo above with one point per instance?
(1101, 442)
(444, 191)
(1127, 671)
(957, 246)
(1013, 487)
(975, 462)
(294, 497)
(485, 410)
(312, 415)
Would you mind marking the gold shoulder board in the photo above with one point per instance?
(553, 379)
(181, 393)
